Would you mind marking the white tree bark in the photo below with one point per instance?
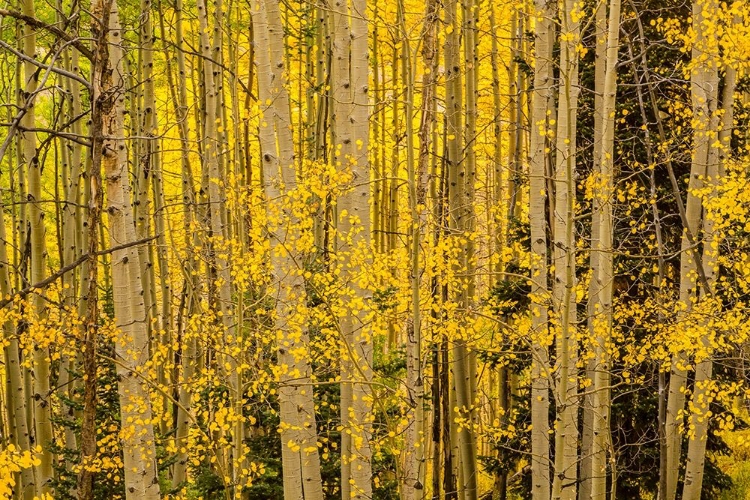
(300, 458)
(538, 193)
(563, 259)
(137, 434)
(704, 90)
(43, 435)
(601, 404)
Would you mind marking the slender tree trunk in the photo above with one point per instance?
(221, 252)
(412, 484)
(42, 404)
(601, 403)
(564, 296)
(600, 62)
(16, 397)
(102, 102)
(351, 125)
(188, 359)
(704, 90)
(538, 192)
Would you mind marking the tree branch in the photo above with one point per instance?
(66, 269)
(36, 23)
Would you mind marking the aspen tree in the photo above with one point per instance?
(499, 406)
(90, 295)
(151, 128)
(538, 192)
(600, 61)
(341, 134)
(212, 180)
(465, 358)
(426, 170)
(357, 227)
(704, 92)
(601, 401)
(150, 170)
(139, 455)
(563, 259)
(378, 152)
(43, 434)
(141, 151)
(70, 219)
(703, 87)
(351, 126)
(16, 398)
(188, 354)
(300, 458)
(515, 146)
(458, 172)
(413, 468)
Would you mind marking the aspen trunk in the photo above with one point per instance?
(42, 404)
(188, 351)
(220, 251)
(704, 90)
(600, 61)
(300, 458)
(351, 125)
(90, 295)
(413, 469)
(538, 192)
(457, 193)
(703, 95)
(601, 404)
(563, 259)
(16, 397)
(139, 453)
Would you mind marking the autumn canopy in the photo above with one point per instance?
(362, 249)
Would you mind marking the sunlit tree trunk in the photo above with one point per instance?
(538, 192)
(704, 91)
(300, 458)
(16, 398)
(342, 147)
(220, 249)
(351, 125)
(600, 61)
(41, 396)
(413, 467)
(187, 345)
(602, 324)
(139, 452)
(563, 260)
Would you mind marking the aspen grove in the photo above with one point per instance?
(375, 250)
